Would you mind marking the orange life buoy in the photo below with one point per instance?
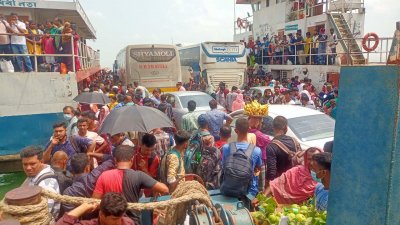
(365, 39)
(239, 22)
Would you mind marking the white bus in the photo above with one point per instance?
(152, 65)
(215, 62)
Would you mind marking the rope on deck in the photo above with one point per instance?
(175, 209)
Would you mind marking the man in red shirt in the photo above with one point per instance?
(225, 134)
(146, 158)
(126, 181)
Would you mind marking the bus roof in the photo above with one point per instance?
(211, 42)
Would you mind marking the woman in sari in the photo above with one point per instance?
(295, 185)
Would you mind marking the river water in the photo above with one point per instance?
(9, 181)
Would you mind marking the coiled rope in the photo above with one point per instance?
(175, 209)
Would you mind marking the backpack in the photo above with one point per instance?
(193, 153)
(237, 171)
(209, 167)
(163, 168)
(297, 157)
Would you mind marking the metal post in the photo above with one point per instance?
(35, 56)
(73, 54)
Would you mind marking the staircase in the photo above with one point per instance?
(349, 45)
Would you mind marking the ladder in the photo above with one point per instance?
(346, 38)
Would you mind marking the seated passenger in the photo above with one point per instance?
(321, 164)
(112, 212)
(296, 185)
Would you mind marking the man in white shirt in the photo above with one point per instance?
(4, 39)
(101, 144)
(332, 42)
(40, 174)
(18, 43)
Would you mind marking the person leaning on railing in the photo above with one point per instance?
(34, 43)
(4, 39)
(18, 43)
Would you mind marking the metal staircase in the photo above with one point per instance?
(346, 37)
(342, 28)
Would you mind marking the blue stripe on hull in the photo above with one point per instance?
(17, 132)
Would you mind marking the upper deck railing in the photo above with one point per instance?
(291, 55)
(86, 56)
(297, 10)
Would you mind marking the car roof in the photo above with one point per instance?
(186, 93)
(262, 88)
(287, 111)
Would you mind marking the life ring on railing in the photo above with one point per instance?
(365, 39)
(239, 22)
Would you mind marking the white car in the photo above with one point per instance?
(309, 127)
(180, 99)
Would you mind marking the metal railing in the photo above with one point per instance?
(305, 10)
(88, 58)
(291, 55)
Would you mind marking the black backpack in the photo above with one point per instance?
(209, 168)
(237, 171)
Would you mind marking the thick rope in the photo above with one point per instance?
(29, 214)
(175, 208)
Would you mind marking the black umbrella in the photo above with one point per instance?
(134, 118)
(92, 98)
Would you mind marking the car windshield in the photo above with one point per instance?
(201, 100)
(313, 127)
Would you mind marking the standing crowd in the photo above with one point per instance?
(28, 37)
(318, 48)
(78, 161)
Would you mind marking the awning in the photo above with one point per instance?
(40, 11)
(83, 74)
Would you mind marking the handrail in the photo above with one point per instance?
(86, 55)
(379, 56)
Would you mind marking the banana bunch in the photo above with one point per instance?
(255, 109)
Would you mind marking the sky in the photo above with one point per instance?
(122, 22)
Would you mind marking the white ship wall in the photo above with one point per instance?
(318, 74)
(36, 93)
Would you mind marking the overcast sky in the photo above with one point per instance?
(122, 22)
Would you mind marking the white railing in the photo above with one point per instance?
(292, 57)
(88, 57)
